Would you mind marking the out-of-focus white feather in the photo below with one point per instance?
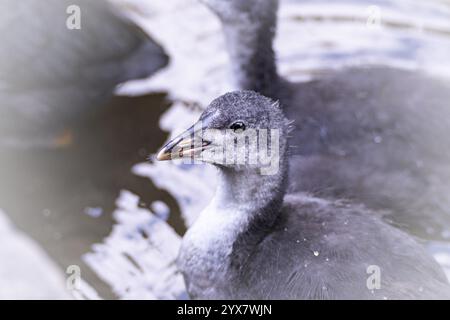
(25, 269)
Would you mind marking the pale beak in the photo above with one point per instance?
(188, 144)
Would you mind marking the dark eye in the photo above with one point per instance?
(238, 126)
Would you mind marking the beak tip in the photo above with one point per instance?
(163, 155)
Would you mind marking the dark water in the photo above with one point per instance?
(46, 191)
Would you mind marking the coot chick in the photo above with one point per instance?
(374, 134)
(256, 241)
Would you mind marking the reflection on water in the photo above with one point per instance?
(46, 192)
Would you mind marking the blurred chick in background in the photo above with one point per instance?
(52, 76)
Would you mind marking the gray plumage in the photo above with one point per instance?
(376, 134)
(254, 241)
(50, 76)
